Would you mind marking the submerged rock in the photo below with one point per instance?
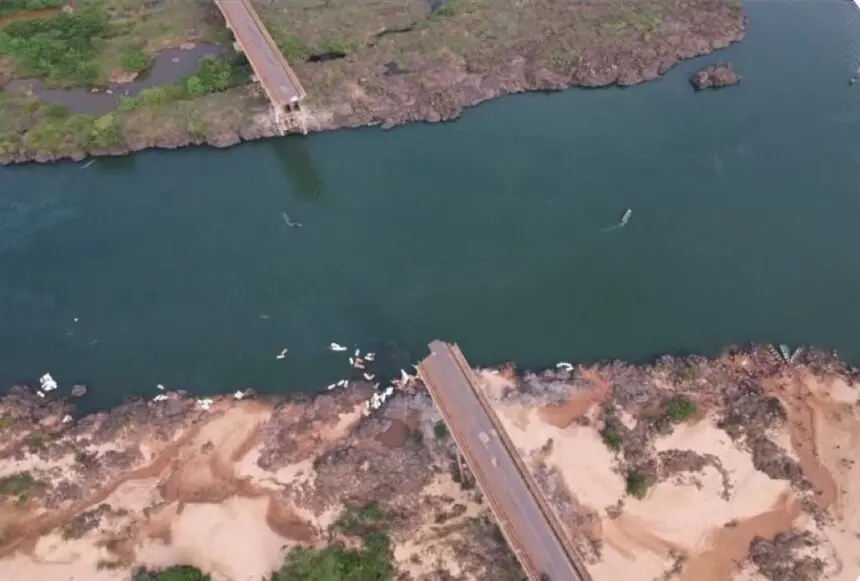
(715, 77)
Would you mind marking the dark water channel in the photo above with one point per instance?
(169, 66)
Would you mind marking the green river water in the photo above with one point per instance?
(488, 231)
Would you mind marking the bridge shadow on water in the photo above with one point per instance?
(294, 156)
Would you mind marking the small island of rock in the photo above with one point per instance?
(715, 77)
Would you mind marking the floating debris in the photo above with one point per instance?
(48, 383)
(289, 223)
(370, 357)
(79, 390)
(564, 365)
(331, 387)
(369, 376)
(282, 354)
(88, 164)
(159, 387)
(624, 219)
(335, 347)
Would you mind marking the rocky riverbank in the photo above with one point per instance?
(423, 66)
(739, 467)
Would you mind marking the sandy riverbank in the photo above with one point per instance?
(754, 477)
(398, 66)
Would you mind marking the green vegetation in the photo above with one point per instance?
(356, 519)
(373, 562)
(38, 440)
(416, 436)
(178, 573)
(61, 49)
(134, 61)
(89, 131)
(12, 6)
(637, 484)
(214, 75)
(612, 437)
(448, 8)
(440, 430)
(17, 484)
(680, 408)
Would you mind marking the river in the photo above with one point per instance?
(176, 268)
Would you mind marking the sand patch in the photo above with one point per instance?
(232, 540)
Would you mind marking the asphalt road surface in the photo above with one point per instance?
(518, 511)
(265, 59)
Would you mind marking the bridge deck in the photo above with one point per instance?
(527, 523)
(278, 79)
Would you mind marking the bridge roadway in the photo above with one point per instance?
(527, 522)
(273, 71)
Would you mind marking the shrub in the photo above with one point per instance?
(416, 436)
(680, 408)
(440, 430)
(637, 484)
(612, 437)
(11, 6)
(134, 61)
(176, 573)
(60, 48)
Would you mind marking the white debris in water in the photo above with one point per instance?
(336, 347)
(159, 387)
(282, 354)
(377, 399)
(564, 366)
(48, 383)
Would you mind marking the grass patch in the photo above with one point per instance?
(17, 484)
(292, 47)
(637, 484)
(612, 437)
(61, 49)
(87, 131)
(134, 61)
(680, 408)
(440, 430)
(12, 6)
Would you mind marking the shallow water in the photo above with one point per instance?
(168, 66)
(487, 231)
